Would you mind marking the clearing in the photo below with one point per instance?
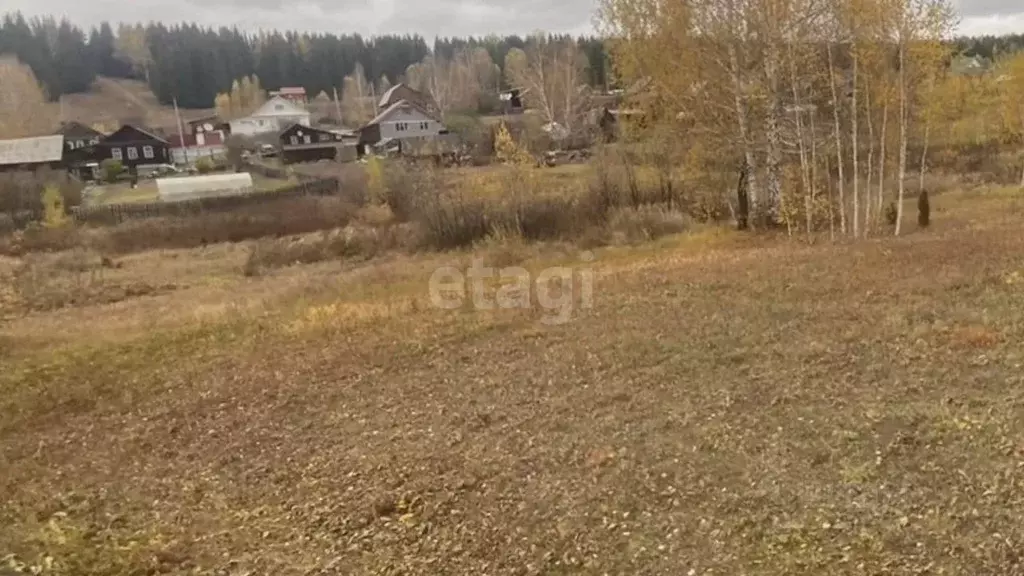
(730, 404)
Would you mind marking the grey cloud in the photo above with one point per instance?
(984, 8)
(427, 17)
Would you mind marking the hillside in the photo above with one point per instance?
(112, 102)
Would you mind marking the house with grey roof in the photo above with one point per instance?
(274, 115)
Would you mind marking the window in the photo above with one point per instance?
(295, 139)
(115, 153)
(94, 141)
(307, 139)
(279, 107)
(402, 126)
(424, 125)
(133, 153)
(325, 138)
(147, 152)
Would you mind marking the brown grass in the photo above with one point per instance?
(729, 404)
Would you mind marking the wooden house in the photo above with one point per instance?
(134, 147)
(78, 135)
(400, 121)
(301, 143)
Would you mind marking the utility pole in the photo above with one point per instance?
(181, 133)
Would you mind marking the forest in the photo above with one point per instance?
(193, 64)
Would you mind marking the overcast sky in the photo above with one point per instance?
(427, 17)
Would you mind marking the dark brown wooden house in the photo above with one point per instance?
(307, 144)
(78, 135)
(134, 147)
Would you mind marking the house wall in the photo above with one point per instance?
(125, 153)
(409, 123)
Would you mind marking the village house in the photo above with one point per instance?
(401, 120)
(133, 147)
(307, 144)
(295, 94)
(78, 135)
(274, 115)
(187, 149)
(28, 154)
(211, 123)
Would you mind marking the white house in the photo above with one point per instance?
(401, 120)
(275, 115)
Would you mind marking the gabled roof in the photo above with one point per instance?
(397, 105)
(278, 106)
(145, 132)
(386, 96)
(36, 150)
(78, 130)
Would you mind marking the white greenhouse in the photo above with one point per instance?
(191, 187)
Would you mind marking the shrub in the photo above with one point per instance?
(401, 187)
(450, 220)
(647, 223)
(923, 210)
(279, 218)
(36, 238)
(891, 214)
(351, 242)
(54, 215)
(111, 169)
(204, 165)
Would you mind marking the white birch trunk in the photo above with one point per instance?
(854, 129)
(743, 125)
(868, 219)
(902, 170)
(839, 140)
(881, 161)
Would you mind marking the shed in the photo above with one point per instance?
(307, 144)
(191, 187)
(31, 153)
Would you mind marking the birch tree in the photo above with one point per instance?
(23, 108)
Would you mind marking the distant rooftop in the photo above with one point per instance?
(35, 150)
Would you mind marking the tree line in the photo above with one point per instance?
(193, 64)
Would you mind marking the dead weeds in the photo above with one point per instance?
(730, 404)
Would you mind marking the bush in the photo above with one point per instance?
(37, 238)
(111, 169)
(204, 166)
(923, 210)
(351, 242)
(647, 223)
(279, 218)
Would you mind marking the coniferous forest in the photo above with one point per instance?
(193, 64)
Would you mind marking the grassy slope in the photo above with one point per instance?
(112, 102)
(740, 405)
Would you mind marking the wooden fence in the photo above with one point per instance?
(117, 213)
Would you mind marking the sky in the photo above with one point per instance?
(429, 18)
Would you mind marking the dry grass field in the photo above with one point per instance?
(729, 404)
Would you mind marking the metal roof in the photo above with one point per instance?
(36, 150)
